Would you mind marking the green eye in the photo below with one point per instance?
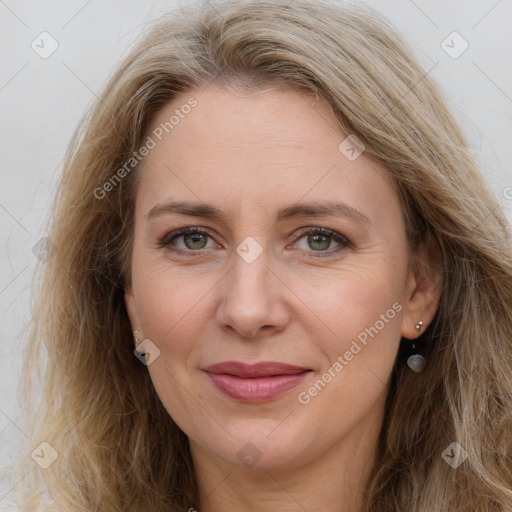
(195, 240)
(320, 240)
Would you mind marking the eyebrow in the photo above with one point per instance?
(312, 209)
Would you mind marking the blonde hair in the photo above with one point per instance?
(118, 447)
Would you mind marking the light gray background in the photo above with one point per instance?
(42, 100)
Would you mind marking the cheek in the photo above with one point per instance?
(334, 306)
(171, 305)
(174, 310)
(347, 303)
(359, 350)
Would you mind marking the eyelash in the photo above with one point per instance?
(167, 239)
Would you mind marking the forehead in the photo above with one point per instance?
(268, 147)
(237, 118)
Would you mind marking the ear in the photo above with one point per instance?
(423, 289)
(131, 309)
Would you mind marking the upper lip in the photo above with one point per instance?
(263, 369)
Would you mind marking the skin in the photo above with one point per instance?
(250, 154)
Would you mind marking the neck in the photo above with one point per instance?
(334, 480)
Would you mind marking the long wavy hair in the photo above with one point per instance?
(118, 448)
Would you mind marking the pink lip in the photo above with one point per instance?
(255, 383)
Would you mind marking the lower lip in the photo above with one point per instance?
(258, 389)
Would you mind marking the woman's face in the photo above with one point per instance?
(300, 259)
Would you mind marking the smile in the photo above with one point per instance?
(255, 383)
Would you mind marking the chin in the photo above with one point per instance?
(263, 444)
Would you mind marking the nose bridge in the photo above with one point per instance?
(251, 298)
(250, 268)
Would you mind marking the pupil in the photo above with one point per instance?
(196, 237)
(319, 239)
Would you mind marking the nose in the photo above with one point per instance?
(253, 301)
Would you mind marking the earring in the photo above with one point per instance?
(416, 362)
(135, 337)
